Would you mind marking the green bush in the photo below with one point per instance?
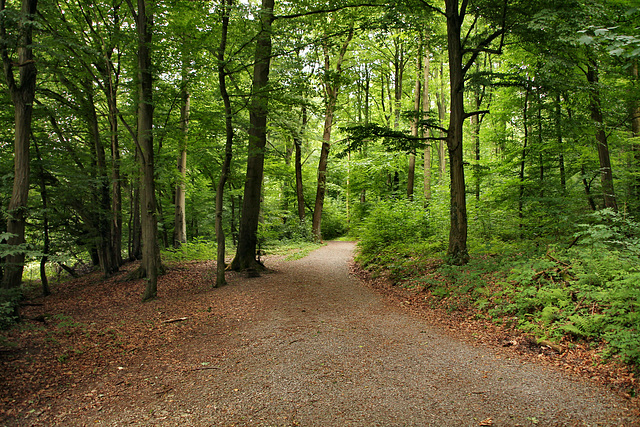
(9, 300)
(199, 249)
(391, 223)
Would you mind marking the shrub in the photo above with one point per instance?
(391, 223)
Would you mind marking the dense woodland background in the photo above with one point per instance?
(502, 137)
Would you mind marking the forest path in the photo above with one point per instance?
(312, 346)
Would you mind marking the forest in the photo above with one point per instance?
(484, 152)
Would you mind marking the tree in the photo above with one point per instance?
(331, 86)
(150, 266)
(248, 239)
(458, 68)
(228, 153)
(22, 91)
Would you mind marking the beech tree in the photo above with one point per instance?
(22, 89)
(247, 242)
(150, 266)
(332, 83)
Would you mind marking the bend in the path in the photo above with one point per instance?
(323, 350)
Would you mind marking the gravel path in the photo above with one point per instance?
(315, 347)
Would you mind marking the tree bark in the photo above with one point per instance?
(135, 223)
(22, 95)
(46, 291)
(635, 133)
(525, 121)
(606, 174)
(414, 129)
(228, 148)
(112, 79)
(103, 241)
(442, 114)
(475, 137)
(331, 88)
(150, 250)
(426, 106)
(180, 220)
(457, 251)
(297, 141)
(398, 64)
(563, 178)
(247, 242)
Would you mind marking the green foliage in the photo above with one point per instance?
(590, 292)
(391, 223)
(334, 220)
(286, 228)
(9, 299)
(199, 249)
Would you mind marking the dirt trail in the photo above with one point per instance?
(312, 346)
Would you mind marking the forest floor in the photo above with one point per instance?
(307, 343)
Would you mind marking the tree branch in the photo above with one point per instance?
(321, 11)
(475, 113)
(482, 47)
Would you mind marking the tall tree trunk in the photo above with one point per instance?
(525, 121)
(442, 114)
(426, 132)
(228, 148)
(398, 64)
(635, 133)
(540, 146)
(331, 88)
(414, 128)
(563, 178)
(297, 141)
(606, 174)
(150, 250)
(135, 223)
(112, 78)
(108, 263)
(116, 184)
(46, 291)
(180, 220)
(247, 243)
(475, 137)
(457, 251)
(22, 95)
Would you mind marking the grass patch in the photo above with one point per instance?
(291, 250)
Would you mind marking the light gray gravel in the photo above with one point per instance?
(318, 348)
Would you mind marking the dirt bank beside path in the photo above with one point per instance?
(309, 345)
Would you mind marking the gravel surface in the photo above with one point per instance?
(312, 346)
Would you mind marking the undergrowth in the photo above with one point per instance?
(588, 292)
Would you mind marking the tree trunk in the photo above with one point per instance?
(331, 88)
(112, 78)
(606, 174)
(247, 243)
(475, 137)
(525, 121)
(228, 148)
(135, 224)
(563, 178)
(457, 252)
(426, 106)
(398, 64)
(150, 250)
(180, 220)
(22, 95)
(46, 291)
(107, 262)
(635, 133)
(297, 141)
(414, 129)
(442, 114)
